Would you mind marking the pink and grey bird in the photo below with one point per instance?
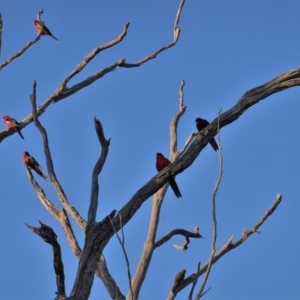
(43, 29)
(31, 163)
(161, 163)
(202, 123)
(178, 279)
(12, 123)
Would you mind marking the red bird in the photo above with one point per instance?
(200, 124)
(12, 123)
(161, 163)
(31, 163)
(43, 29)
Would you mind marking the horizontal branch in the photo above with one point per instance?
(173, 232)
(250, 98)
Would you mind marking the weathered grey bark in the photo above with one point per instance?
(228, 246)
(49, 236)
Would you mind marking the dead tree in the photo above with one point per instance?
(99, 234)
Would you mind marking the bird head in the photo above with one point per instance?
(198, 120)
(26, 153)
(5, 118)
(159, 155)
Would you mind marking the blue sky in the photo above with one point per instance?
(225, 49)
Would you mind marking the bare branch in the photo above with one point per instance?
(1, 28)
(49, 236)
(17, 54)
(205, 292)
(176, 32)
(60, 192)
(38, 16)
(149, 245)
(174, 122)
(97, 169)
(184, 246)
(187, 143)
(214, 216)
(97, 237)
(173, 232)
(91, 56)
(122, 243)
(229, 245)
(194, 282)
(63, 92)
(61, 216)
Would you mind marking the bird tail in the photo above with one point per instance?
(55, 38)
(42, 175)
(19, 132)
(214, 144)
(174, 187)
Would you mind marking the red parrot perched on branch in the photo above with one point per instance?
(12, 123)
(178, 278)
(31, 163)
(161, 163)
(200, 124)
(43, 29)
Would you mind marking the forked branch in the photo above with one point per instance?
(230, 245)
(49, 236)
(97, 169)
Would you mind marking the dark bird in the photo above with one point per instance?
(161, 163)
(12, 123)
(43, 29)
(200, 124)
(31, 163)
(178, 278)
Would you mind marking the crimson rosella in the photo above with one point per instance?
(200, 124)
(12, 123)
(31, 163)
(43, 29)
(161, 163)
(178, 278)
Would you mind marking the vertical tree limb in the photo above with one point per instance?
(49, 236)
(1, 28)
(97, 169)
(214, 216)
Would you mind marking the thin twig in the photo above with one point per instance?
(214, 216)
(174, 123)
(97, 169)
(1, 28)
(49, 236)
(194, 282)
(38, 16)
(122, 243)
